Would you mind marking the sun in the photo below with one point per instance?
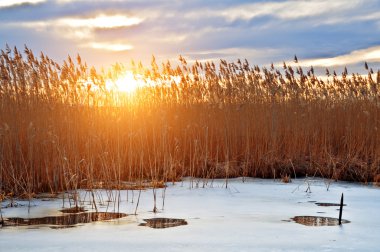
(126, 83)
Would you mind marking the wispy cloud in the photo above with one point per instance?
(354, 17)
(371, 54)
(230, 54)
(10, 3)
(79, 28)
(100, 21)
(288, 10)
(318, 11)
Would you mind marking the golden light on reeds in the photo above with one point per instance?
(69, 126)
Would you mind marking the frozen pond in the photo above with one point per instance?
(252, 216)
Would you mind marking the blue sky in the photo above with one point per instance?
(322, 33)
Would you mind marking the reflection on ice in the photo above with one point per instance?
(163, 222)
(66, 220)
(318, 221)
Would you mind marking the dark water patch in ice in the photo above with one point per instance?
(63, 227)
(75, 209)
(63, 221)
(318, 221)
(324, 204)
(163, 222)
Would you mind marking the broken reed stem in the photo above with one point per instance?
(93, 200)
(138, 201)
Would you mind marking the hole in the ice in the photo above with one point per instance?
(67, 220)
(75, 209)
(163, 222)
(318, 221)
(328, 204)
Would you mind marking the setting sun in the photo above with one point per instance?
(127, 82)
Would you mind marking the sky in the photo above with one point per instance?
(322, 33)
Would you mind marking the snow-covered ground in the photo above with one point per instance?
(250, 216)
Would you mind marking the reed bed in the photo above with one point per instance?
(62, 129)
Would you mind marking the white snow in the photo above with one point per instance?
(248, 216)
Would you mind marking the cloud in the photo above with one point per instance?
(11, 3)
(354, 17)
(114, 47)
(90, 1)
(79, 28)
(263, 31)
(288, 10)
(84, 31)
(371, 54)
(230, 54)
(319, 12)
(100, 21)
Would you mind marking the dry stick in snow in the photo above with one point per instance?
(93, 200)
(163, 197)
(154, 199)
(138, 201)
(341, 210)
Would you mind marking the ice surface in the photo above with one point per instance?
(250, 216)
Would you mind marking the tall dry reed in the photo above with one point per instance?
(62, 129)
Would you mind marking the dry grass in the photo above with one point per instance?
(60, 128)
(376, 180)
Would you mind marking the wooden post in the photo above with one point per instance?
(341, 210)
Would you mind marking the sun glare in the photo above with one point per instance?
(127, 83)
(111, 47)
